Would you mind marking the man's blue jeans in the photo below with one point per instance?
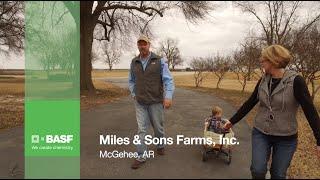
(282, 153)
(147, 115)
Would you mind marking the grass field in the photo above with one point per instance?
(125, 73)
(12, 89)
(106, 73)
(11, 101)
(105, 93)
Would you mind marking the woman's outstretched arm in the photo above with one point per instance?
(247, 106)
(302, 95)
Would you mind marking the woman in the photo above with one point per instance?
(279, 93)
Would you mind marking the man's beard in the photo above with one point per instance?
(143, 52)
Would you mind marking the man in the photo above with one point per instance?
(151, 86)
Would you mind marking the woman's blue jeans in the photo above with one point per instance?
(282, 153)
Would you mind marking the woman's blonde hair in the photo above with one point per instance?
(278, 55)
(216, 110)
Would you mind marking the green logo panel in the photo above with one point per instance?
(52, 97)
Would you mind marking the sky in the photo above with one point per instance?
(223, 31)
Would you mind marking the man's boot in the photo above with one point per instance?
(137, 164)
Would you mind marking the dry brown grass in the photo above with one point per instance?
(105, 93)
(106, 73)
(11, 85)
(305, 163)
(11, 102)
(12, 99)
(229, 83)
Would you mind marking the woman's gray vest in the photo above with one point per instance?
(277, 112)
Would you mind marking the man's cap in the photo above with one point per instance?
(143, 38)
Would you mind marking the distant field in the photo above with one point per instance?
(124, 73)
(11, 101)
(12, 85)
(229, 82)
(106, 73)
(12, 89)
(11, 71)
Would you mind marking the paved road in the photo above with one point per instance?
(185, 117)
(12, 153)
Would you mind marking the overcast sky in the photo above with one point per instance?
(221, 32)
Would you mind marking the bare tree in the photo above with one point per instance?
(54, 51)
(95, 56)
(221, 66)
(52, 58)
(210, 63)
(112, 53)
(169, 49)
(252, 51)
(199, 65)
(245, 61)
(120, 19)
(279, 18)
(306, 54)
(178, 60)
(239, 67)
(11, 26)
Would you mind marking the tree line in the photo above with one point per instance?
(110, 22)
(281, 25)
